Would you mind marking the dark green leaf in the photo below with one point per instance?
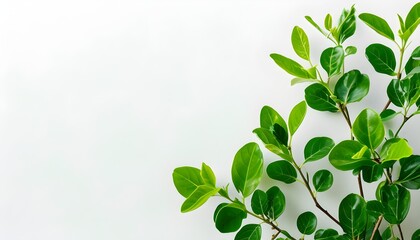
(396, 93)
(276, 203)
(374, 208)
(322, 180)
(328, 22)
(411, 87)
(247, 169)
(228, 217)
(352, 87)
(372, 173)
(269, 117)
(306, 223)
(388, 114)
(410, 172)
(332, 60)
(187, 180)
(395, 149)
(325, 234)
(296, 117)
(282, 171)
(290, 66)
(353, 215)
(350, 50)
(413, 61)
(249, 232)
(346, 24)
(259, 202)
(207, 175)
(300, 43)
(318, 98)
(280, 133)
(369, 129)
(378, 24)
(198, 198)
(416, 235)
(318, 148)
(396, 202)
(388, 233)
(349, 154)
(382, 58)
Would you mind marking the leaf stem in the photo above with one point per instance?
(378, 223)
(401, 232)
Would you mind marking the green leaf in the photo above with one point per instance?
(325, 234)
(396, 202)
(374, 211)
(396, 93)
(416, 235)
(406, 35)
(332, 60)
(352, 87)
(411, 87)
(313, 23)
(228, 217)
(281, 151)
(187, 180)
(318, 148)
(247, 169)
(412, 19)
(269, 117)
(306, 223)
(290, 66)
(388, 114)
(266, 136)
(296, 117)
(280, 133)
(276, 203)
(378, 24)
(382, 58)
(395, 149)
(413, 61)
(410, 172)
(207, 175)
(369, 129)
(346, 25)
(328, 22)
(372, 173)
(249, 232)
(350, 50)
(374, 208)
(352, 215)
(318, 98)
(300, 43)
(198, 198)
(259, 202)
(303, 80)
(282, 171)
(349, 154)
(322, 180)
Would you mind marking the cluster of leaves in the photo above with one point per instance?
(371, 152)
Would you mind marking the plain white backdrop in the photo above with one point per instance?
(101, 100)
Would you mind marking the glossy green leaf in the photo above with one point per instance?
(325, 234)
(369, 129)
(332, 60)
(276, 203)
(349, 154)
(290, 66)
(388, 114)
(249, 232)
(228, 217)
(281, 134)
(409, 31)
(269, 117)
(411, 88)
(313, 23)
(300, 43)
(410, 172)
(346, 24)
(382, 58)
(352, 87)
(281, 151)
(388, 233)
(372, 173)
(378, 24)
(266, 136)
(259, 202)
(282, 171)
(396, 202)
(352, 215)
(318, 148)
(395, 149)
(396, 93)
(413, 61)
(247, 169)
(322, 180)
(296, 117)
(306, 223)
(350, 50)
(303, 80)
(207, 175)
(328, 22)
(198, 198)
(416, 235)
(413, 15)
(187, 180)
(318, 98)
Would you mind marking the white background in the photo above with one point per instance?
(101, 100)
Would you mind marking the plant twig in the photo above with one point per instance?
(378, 223)
(401, 232)
(359, 180)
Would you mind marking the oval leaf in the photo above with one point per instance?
(396, 93)
(332, 60)
(276, 203)
(325, 234)
(349, 154)
(369, 129)
(269, 117)
(372, 173)
(187, 180)
(318, 98)
(413, 61)
(322, 180)
(259, 202)
(396, 202)
(353, 215)
(410, 172)
(247, 169)
(290, 66)
(300, 43)
(378, 24)
(249, 232)
(228, 217)
(282, 171)
(207, 175)
(413, 16)
(395, 149)
(198, 198)
(382, 58)
(296, 117)
(318, 148)
(352, 87)
(306, 223)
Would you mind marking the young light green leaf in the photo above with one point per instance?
(269, 117)
(306, 223)
(300, 43)
(410, 172)
(382, 58)
(350, 50)
(317, 148)
(228, 217)
(207, 175)
(413, 16)
(369, 129)
(318, 98)
(313, 23)
(346, 24)
(328, 22)
(409, 31)
(281, 151)
(352, 215)
(395, 149)
(290, 66)
(352, 87)
(346, 155)
(332, 60)
(247, 169)
(276, 203)
(282, 171)
(378, 24)
(296, 117)
(402, 24)
(303, 80)
(187, 180)
(198, 198)
(396, 202)
(249, 232)
(259, 202)
(322, 180)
